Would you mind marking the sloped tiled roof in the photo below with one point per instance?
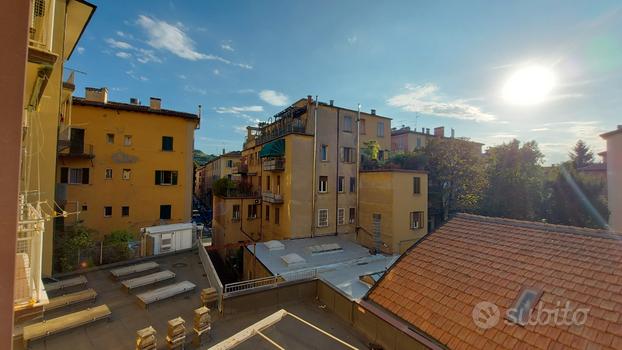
(434, 287)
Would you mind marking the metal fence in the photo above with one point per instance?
(257, 284)
(210, 272)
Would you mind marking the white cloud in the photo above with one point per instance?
(238, 110)
(504, 136)
(133, 75)
(80, 50)
(119, 44)
(540, 129)
(425, 99)
(216, 72)
(181, 76)
(123, 54)
(145, 56)
(227, 46)
(243, 65)
(273, 97)
(194, 89)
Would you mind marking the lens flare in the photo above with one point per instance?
(529, 85)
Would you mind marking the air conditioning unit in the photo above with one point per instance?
(257, 201)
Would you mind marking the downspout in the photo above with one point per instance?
(337, 177)
(358, 167)
(314, 172)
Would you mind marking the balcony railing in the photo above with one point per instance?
(274, 164)
(240, 169)
(75, 150)
(272, 198)
(41, 24)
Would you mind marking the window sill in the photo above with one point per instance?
(320, 192)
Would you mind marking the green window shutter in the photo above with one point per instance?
(85, 176)
(64, 175)
(157, 177)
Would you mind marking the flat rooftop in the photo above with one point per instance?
(339, 261)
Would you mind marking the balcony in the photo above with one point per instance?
(41, 25)
(273, 198)
(68, 149)
(277, 164)
(240, 169)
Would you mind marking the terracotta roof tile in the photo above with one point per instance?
(437, 283)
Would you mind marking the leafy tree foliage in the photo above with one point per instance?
(69, 244)
(116, 246)
(515, 181)
(456, 176)
(581, 155)
(223, 187)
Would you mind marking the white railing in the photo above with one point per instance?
(271, 197)
(254, 285)
(41, 24)
(210, 272)
(30, 228)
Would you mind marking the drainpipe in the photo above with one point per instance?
(314, 175)
(337, 178)
(358, 167)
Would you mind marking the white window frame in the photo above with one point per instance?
(341, 216)
(108, 172)
(323, 184)
(235, 215)
(110, 138)
(126, 174)
(416, 225)
(320, 213)
(73, 174)
(341, 184)
(348, 154)
(380, 129)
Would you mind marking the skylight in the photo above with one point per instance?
(325, 248)
(274, 245)
(521, 310)
(293, 259)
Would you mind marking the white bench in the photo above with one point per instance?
(128, 270)
(165, 292)
(148, 279)
(62, 284)
(64, 323)
(71, 298)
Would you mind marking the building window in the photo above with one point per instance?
(380, 129)
(352, 215)
(352, 184)
(324, 153)
(229, 163)
(74, 176)
(126, 174)
(277, 215)
(110, 138)
(252, 211)
(268, 183)
(165, 212)
(267, 213)
(236, 212)
(84, 207)
(381, 155)
(347, 155)
(322, 218)
(125, 211)
(362, 127)
(107, 212)
(165, 177)
(416, 220)
(416, 185)
(323, 185)
(418, 142)
(347, 123)
(127, 140)
(341, 216)
(108, 174)
(167, 143)
(278, 184)
(341, 184)
(521, 310)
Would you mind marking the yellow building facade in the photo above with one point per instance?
(406, 139)
(125, 165)
(224, 166)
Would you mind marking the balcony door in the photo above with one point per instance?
(76, 145)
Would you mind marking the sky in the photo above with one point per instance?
(422, 63)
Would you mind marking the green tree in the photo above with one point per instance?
(116, 246)
(577, 199)
(69, 245)
(515, 181)
(581, 155)
(223, 187)
(456, 177)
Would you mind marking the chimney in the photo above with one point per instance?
(223, 151)
(453, 133)
(96, 95)
(134, 101)
(155, 103)
(427, 131)
(439, 132)
(309, 100)
(423, 130)
(373, 112)
(332, 102)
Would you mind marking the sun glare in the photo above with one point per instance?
(529, 85)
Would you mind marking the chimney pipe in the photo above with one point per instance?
(309, 99)
(427, 131)
(332, 102)
(453, 133)
(373, 112)
(223, 151)
(155, 103)
(439, 132)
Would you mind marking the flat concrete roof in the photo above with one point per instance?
(340, 269)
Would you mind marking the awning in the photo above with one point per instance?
(273, 149)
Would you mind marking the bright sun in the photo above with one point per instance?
(529, 85)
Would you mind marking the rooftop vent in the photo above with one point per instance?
(274, 245)
(325, 248)
(293, 259)
(134, 101)
(373, 112)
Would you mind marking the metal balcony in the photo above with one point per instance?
(273, 198)
(240, 169)
(75, 150)
(274, 164)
